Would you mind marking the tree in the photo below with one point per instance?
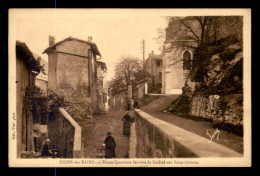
(128, 71)
(202, 30)
(198, 33)
(126, 67)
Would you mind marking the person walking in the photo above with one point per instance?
(128, 107)
(136, 106)
(126, 124)
(110, 146)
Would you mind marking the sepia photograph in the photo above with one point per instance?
(129, 88)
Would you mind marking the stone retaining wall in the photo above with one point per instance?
(159, 139)
(65, 134)
(227, 109)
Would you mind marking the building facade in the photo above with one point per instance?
(177, 56)
(154, 66)
(102, 99)
(118, 100)
(72, 64)
(25, 77)
(176, 67)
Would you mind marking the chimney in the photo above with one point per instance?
(90, 38)
(51, 40)
(151, 54)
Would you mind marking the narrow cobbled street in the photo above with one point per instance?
(94, 133)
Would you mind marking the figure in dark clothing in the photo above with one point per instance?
(136, 106)
(128, 106)
(46, 152)
(110, 146)
(127, 124)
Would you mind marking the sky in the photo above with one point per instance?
(116, 32)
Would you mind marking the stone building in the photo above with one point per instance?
(106, 95)
(101, 68)
(72, 65)
(153, 65)
(177, 58)
(118, 100)
(25, 76)
(183, 35)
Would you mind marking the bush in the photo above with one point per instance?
(35, 103)
(75, 102)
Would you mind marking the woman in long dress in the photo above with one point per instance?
(127, 124)
(110, 146)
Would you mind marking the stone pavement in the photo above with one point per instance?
(94, 133)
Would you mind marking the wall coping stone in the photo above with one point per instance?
(193, 142)
(77, 134)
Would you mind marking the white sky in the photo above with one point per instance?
(116, 32)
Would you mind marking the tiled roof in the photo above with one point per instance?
(92, 44)
(23, 52)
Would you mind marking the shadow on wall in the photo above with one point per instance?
(62, 133)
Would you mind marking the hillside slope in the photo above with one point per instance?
(159, 104)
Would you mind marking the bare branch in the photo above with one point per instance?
(188, 27)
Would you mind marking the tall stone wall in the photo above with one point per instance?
(206, 107)
(225, 109)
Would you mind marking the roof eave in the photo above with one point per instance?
(93, 45)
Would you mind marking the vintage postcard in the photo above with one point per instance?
(129, 87)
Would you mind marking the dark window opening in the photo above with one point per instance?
(186, 60)
(158, 63)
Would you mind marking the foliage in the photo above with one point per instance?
(35, 102)
(128, 71)
(199, 32)
(56, 101)
(202, 55)
(39, 67)
(181, 104)
(75, 102)
(203, 29)
(217, 65)
(126, 67)
(160, 39)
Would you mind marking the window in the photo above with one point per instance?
(158, 63)
(186, 60)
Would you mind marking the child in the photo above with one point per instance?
(100, 154)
